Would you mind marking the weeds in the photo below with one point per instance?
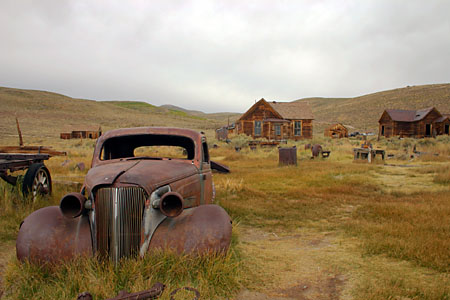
(394, 226)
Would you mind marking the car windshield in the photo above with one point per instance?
(153, 146)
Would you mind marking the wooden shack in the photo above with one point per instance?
(336, 131)
(277, 120)
(82, 132)
(443, 125)
(409, 123)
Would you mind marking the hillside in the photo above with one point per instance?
(363, 112)
(220, 116)
(42, 113)
(47, 114)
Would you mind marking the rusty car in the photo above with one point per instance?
(148, 188)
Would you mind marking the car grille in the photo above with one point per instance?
(119, 213)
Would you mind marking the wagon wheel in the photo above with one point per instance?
(37, 181)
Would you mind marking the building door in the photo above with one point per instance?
(447, 130)
(428, 130)
(382, 130)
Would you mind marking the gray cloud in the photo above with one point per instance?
(222, 55)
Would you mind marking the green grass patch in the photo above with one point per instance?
(136, 105)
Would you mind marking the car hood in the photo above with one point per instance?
(149, 174)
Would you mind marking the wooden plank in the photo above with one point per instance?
(31, 150)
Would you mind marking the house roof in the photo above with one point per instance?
(284, 110)
(443, 118)
(293, 110)
(408, 115)
(337, 126)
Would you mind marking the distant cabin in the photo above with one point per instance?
(443, 125)
(82, 132)
(277, 121)
(421, 123)
(336, 131)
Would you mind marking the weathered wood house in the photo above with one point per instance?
(277, 120)
(411, 123)
(336, 131)
(443, 125)
(82, 132)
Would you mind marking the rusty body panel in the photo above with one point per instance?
(131, 203)
(47, 236)
(206, 228)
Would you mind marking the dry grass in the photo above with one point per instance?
(345, 230)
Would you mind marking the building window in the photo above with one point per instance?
(258, 128)
(298, 128)
(277, 129)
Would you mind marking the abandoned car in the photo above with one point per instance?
(147, 188)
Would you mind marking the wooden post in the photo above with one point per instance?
(20, 133)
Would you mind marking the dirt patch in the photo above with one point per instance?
(292, 266)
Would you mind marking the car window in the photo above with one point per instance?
(161, 151)
(148, 145)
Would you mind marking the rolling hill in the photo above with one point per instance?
(363, 112)
(46, 114)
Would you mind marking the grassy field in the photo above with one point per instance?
(325, 229)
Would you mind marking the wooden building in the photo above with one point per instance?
(411, 123)
(277, 121)
(443, 125)
(82, 132)
(336, 131)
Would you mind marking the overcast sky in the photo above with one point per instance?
(222, 55)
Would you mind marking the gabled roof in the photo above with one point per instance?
(336, 126)
(284, 110)
(293, 110)
(443, 118)
(408, 115)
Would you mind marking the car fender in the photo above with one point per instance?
(47, 236)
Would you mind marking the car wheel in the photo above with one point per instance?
(37, 181)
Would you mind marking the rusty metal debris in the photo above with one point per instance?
(187, 288)
(316, 150)
(154, 292)
(132, 202)
(287, 156)
(219, 167)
